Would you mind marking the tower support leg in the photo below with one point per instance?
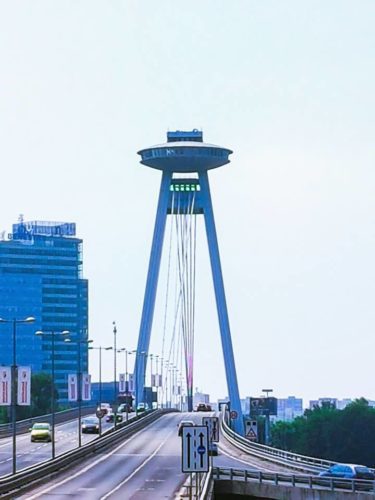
(226, 341)
(151, 288)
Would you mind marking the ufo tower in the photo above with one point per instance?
(186, 153)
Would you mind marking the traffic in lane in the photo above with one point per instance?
(30, 453)
(145, 465)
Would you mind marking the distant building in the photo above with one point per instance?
(289, 408)
(343, 403)
(41, 276)
(200, 397)
(321, 402)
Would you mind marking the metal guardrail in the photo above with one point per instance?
(21, 480)
(281, 457)
(60, 417)
(207, 486)
(198, 486)
(294, 480)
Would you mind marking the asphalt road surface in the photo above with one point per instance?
(146, 465)
(28, 453)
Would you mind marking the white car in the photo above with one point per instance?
(106, 407)
(142, 407)
(184, 423)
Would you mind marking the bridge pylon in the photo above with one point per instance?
(186, 153)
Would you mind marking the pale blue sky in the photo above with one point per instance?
(289, 86)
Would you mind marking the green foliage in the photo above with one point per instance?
(3, 415)
(339, 435)
(40, 397)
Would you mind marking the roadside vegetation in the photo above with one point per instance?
(40, 399)
(346, 436)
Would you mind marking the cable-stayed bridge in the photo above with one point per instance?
(140, 458)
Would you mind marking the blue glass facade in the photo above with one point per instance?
(41, 276)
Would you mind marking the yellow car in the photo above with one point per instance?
(41, 432)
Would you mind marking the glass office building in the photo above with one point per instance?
(41, 276)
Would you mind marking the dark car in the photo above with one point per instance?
(203, 407)
(348, 471)
(110, 417)
(125, 408)
(90, 425)
(212, 449)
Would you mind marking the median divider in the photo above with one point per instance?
(22, 480)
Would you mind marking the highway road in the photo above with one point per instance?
(66, 438)
(146, 465)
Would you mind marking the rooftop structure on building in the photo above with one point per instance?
(314, 403)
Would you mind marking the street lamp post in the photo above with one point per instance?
(126, 351)
(14, 322)
(99, 348)
(151, 368)
(114, 372)
(145, 356)
(267, 421)
(53, 335)
(157, 380)
(79, 382)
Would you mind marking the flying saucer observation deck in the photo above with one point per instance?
(185, 152)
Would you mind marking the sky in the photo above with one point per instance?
(289, 87)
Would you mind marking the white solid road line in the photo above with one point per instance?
(137, 469)
(88, 467)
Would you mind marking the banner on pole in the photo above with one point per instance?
(160, 381)
(24, 386)
(121, 385)
(5, 385)
(86, 387)
(72, 387)
(153, 380)
(131, 382)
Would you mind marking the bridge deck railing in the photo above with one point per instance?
(294, 480)
(287, 458)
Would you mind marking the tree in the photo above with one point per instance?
(339, 435)
(40, 397)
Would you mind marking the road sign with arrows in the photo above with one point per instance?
(213, 427)
(195, 448)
